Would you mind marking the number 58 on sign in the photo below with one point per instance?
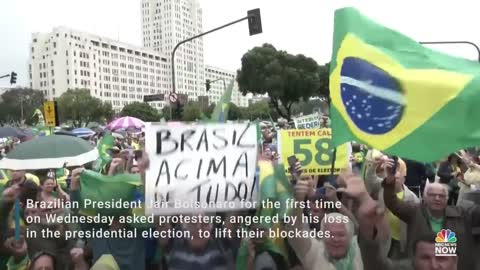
(314, 150)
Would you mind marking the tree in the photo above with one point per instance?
(81, 108)
(258, 110)
(324, 88)
(14, 100)
(141, 110)
(166, 113)
(192, 111)
(286, 78)
(208, 112)
(234, 112)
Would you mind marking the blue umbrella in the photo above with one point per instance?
(83, 132)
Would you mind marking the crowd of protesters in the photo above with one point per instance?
(391, 210)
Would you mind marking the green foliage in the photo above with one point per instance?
(324, 74)
(235, 112)
(192, 111)
(166, 113)
(208, 112)
(258, 110)
(141, 110)
(78, 106)
(12, 102)
(286, 78)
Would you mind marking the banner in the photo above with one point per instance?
(202, 167)
(307, 121)
(314, 149)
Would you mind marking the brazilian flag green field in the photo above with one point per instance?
(395, 95)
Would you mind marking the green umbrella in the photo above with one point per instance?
(50, 152)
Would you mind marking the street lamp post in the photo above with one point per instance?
(255, 27)
(453, 42)
(208, 82)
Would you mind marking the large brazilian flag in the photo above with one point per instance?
(395, 95)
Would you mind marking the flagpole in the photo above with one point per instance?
(453, 42)
(334, 157)
(334, 154)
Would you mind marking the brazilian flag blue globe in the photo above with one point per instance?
(395, 95)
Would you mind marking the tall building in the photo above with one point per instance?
(122, 73)
(167, 22)
(114, 71)
(217, 88)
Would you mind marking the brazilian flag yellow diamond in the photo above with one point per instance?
(397, 96)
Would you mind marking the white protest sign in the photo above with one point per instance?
(203, 167)
(307, 121)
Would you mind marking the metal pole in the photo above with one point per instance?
(192, 38)
(4, 76)
(454, 42)
(223, 80)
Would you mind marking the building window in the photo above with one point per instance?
(53, 91)
(53, 81)
(53, 73)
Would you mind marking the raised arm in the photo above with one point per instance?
(300, 245)
(370, 223)
(403, 210)
(331, 194)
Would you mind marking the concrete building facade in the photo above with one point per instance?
(121, 73)
(114, 71)
(217, 88)
(167, 22)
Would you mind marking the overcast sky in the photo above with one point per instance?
(298, 26)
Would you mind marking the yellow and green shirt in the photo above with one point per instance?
(394, 221)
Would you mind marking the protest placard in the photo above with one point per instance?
(307, 121)
(314, 150)
(203, 167)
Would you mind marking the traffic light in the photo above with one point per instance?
(13, 78)
(207, 85)
(254, 21)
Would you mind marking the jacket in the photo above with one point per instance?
(459, 220)
(374, 185)
(409, 197)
